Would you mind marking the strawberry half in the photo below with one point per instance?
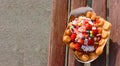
(77, 46)
(80, 41)
(73, 36)
(94, 32)
(88, 26)
(91, 42)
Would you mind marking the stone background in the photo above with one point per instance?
(24, 32)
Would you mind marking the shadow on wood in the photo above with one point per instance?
(114, 47)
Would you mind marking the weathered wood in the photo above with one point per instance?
(77, 3)
(71, 59)
(114, 18)
(56, 56)
(99, 7)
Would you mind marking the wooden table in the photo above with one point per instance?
(60, 55)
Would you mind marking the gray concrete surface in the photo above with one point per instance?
(24, 32)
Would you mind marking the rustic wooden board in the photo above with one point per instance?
(99, 7)
(56, 56)
(71, 59)
(114, 18)
(77, 3)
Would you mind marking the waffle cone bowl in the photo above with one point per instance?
(86, 34)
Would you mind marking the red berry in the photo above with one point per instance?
(86, 35)
(80, 41)
(77, 46)
(91, 41)
(73, 36)
(94, 32)
(88, 26)
(85, 21)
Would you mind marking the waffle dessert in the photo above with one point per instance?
(86, 34)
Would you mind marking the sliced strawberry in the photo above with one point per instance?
(88, 26)
(77, 46)
(80, 41)
(91, 42)
(73, 36)
(86, 35)
(94, 32)
(85, 21)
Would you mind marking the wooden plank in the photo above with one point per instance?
(71, 59)
(99, 7)
(77, 3)
(56, 56)
(114, 15)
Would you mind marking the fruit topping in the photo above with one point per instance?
(77, 46)
(91, 42)
(84, 34)
(73, 36)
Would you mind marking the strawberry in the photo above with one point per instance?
(73, 36)
(85, 21)
(77, 46)
(94, 32)
(86, 35)
(91, 42)
(88, 26)
(80, 41)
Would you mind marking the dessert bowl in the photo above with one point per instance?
(86, 34)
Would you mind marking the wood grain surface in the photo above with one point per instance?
(71, 59)
(99, 7)
(59, 16)
(58, 23)
(114, 18)
(77, 3)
